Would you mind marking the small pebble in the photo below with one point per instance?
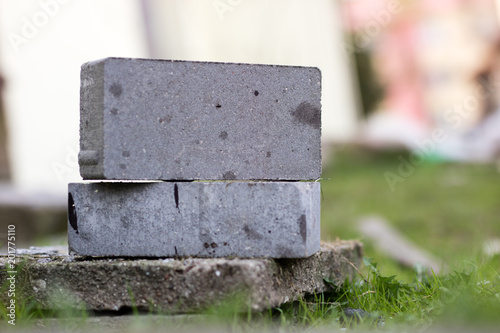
(44, 260)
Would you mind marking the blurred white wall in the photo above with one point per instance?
(42, 46)
(44, 42)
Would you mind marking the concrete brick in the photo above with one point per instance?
(178, 120)
(202, 219)
(58, 281)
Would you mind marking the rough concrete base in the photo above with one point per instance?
(179, 285)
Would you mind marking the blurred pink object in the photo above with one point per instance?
(358, 13)
(399, 72)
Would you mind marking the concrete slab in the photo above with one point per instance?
(182, 120)
(184, 285)
(202, 219)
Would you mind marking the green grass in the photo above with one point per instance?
(467, 297)
(445, 208)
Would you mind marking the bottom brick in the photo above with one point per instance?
(198, 219)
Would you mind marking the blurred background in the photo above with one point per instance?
(410, 100)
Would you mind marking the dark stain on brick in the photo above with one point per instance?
(223, 135)
(116, 90)
(73, 221)
(229, 175)
(303, 227)
(125, 220)
(167, 119)
(251, 233)
(176, 197)
(308, 114)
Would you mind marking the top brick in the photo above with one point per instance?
(182, 120)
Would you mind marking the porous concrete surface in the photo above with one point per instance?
(202, 219)
(165, 120)
(59, 281)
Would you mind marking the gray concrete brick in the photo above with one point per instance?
(202, 219)
(178, 120)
